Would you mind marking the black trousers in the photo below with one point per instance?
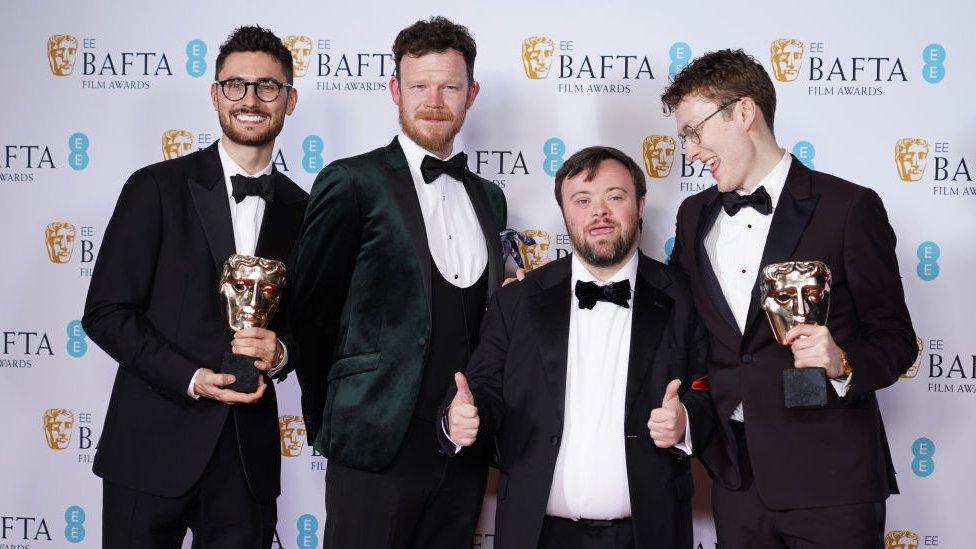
(743, 521)
(423, 500)
(560, 533)
(219, 509)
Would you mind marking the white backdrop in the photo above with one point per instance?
(870, 74)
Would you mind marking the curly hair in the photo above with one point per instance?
(256, 39)
(722, 76)
(437, 34)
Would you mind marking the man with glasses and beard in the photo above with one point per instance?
(588, 376)
(398, 256)
(179, 449)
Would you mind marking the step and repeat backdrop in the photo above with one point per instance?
(879, 93)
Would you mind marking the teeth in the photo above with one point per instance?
(249, 117)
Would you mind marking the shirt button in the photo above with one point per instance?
(455, 277)
(747, 359)
(422, 341)
(749, 225)
(743, 271)
(554, 440)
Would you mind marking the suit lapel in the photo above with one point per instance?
(210, 200)
(792, 215)
(652, 309)
(550, 319)
(729, 330)
(400, 183)
(280, 223)
(479, 200)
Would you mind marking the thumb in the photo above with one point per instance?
(671, 393)
(463, 391)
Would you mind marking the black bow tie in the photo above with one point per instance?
(432, 168)
(588, 293)
(244, 186)
(733, 201)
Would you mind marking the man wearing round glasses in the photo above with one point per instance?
(786, 477)
(179, 448)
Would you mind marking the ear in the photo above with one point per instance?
(292, 101)
(640, 206)
(395, 90)
(748, 112)
(213, 94)
(473, 90)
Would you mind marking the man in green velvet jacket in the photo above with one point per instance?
(399, 253)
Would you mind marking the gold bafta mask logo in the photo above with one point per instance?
(59, 237)
(537, 54)
(537, 254)
(61, 49)
(912, 370)
(658, 155)
(786, 56)
(911, 155)
(301, 50)
(901, 539)
(176, 143)
(291, 430)
(57, 427)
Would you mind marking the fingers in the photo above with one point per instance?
(464, 395)
(666, 425)
(520, 274)
(671, 392)
(212, 385)
(803, 330)
(463, 423)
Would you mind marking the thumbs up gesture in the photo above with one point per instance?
(667, 423)
(462, 416)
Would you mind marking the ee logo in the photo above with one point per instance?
(554, 149)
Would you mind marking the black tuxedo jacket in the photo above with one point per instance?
(806, 458)
(518, 378)
(362, 302)
(153, 307)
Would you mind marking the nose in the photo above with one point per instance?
(799, 306)
(693, 150)
(435, 98)
(600, 208)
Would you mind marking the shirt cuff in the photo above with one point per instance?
(457, 447)
(842, 386)
(189, 390)
(284, 360)
(685, 445)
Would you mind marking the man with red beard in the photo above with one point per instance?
(585, 378)
(179, 448)
(398, 256)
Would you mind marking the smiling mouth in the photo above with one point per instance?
(713, 164)
(250, 117)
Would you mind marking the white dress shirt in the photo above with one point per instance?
(246, 216)
(454, 234)
(735, 247)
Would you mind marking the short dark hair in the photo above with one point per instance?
(587, 160)
(437, 34)
(722, 76)
(255, 38)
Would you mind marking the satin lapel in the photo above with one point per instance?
(400, 183)
(652, 309)
(550, 320)
(279, 225)
(210, 200)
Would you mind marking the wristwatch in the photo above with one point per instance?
(846, 365)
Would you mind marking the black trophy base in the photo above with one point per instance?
(243, 370)
(805, 387)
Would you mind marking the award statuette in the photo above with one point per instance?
(251, 289)
(792, 293)
(510, 246)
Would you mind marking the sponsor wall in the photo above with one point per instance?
(875, 92)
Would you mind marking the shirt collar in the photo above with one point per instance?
(775, 180)
(627, 272)
(231, 167)
(415, 153)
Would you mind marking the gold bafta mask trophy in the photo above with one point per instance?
(251, 290)
(658, 155)
(57, 427)
(537, 54)
(793, 293)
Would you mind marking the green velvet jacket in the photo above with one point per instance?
(360, 302)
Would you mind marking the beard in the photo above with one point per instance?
(253, 138)
(435, 139)
(619, 250)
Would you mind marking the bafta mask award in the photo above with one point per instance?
(792, 293)
(251, 289)
(510, 246)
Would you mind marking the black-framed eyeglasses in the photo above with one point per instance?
(693, 133)
(267, 90)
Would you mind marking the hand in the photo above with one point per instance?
(462, 416)
(667, 423)
(261, 344)
(814, 347)
(519, 276)
(210, 384)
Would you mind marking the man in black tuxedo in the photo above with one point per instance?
(588, 377)
(786, 477)
(179, 450)
(399, 252)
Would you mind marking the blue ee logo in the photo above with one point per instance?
(933, 69)
(77, 344)
(680, 54)
(928, 261)
(804, 151)
(923, 465)
(74, 520)
(78, 151)
(554, 149)
(668, 248)
(312, 158)
(307, 525)
(196, 58)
